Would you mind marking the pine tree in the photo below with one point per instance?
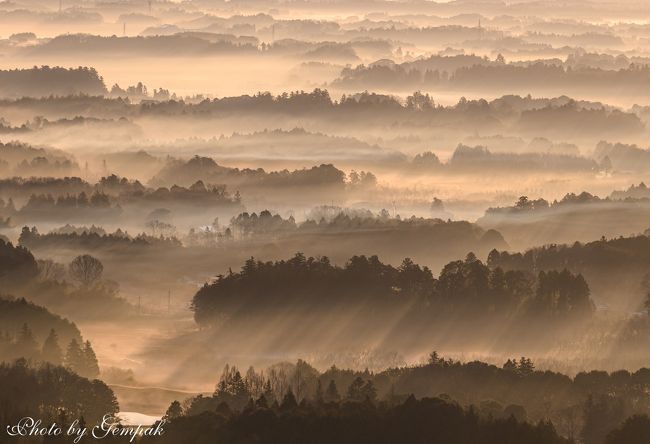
(319, 392)
(91, 365)
(51, 350)
(355, 391)
(237, 386)
(289, 401)
(332, 393)
(369, 392)
(74, 357)
(525, 366)
(268, 391)
(26, 343)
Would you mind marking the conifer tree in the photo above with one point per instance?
(319, 392)
(51, 350)
(90, 363)
(74, 357)
(332, 393)
(26, 343)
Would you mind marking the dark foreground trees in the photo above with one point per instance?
(429, 420)
(49, 392)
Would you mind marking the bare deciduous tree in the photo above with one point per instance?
(86, 270)
(48, 270)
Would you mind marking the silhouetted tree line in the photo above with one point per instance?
(592, 406)
(92, 240)
(331, 219)
(559, 115)
(588, 406)
(468, 287)
(525, 205)
(206, 169)
(426, 420)
(630, 254)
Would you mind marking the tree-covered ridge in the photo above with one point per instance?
(629, 254)
(16, 313)
(469, 287)
(21, 159)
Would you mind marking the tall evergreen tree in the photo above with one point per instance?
(319, 392)
(74, 359)
(332, 393)
(91, 365)
(51, 350)
(355, 391)
(26, 343)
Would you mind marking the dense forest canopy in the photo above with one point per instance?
(469, 286)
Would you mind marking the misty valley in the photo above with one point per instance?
(372, 221)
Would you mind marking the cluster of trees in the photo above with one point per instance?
(52, 394)
(15, 314)
(245, 224)
(468, 287)
(77, 358)
(615, 268)
(45, 282)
